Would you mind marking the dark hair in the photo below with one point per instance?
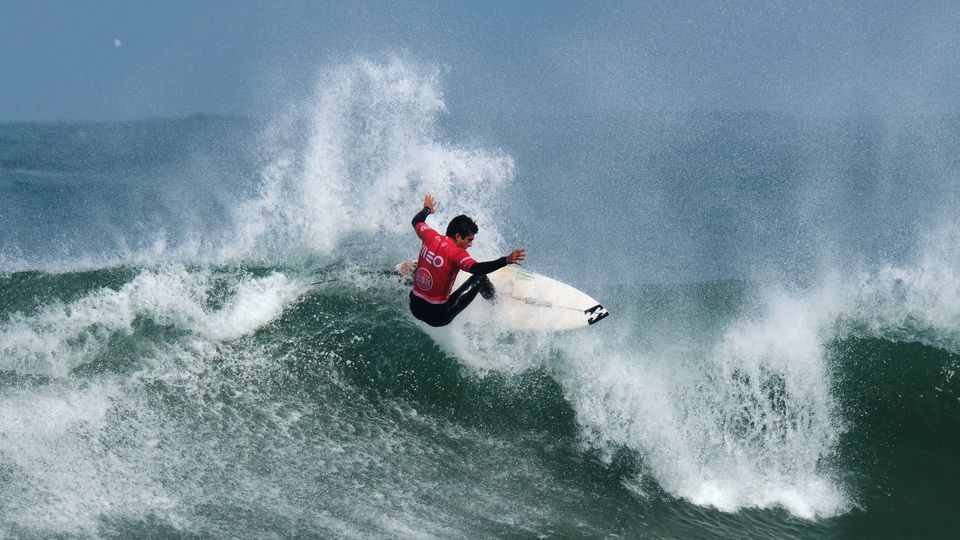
(461, 225)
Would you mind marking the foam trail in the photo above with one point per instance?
(484, 345)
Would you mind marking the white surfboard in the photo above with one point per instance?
(531, 302)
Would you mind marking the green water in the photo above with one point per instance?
(340, 417)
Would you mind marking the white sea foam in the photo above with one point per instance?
(483, 344)
(64, 477)
(164, 446)
(60, 336)
(744, 422)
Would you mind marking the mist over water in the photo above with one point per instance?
(193, 342)
(364, 152)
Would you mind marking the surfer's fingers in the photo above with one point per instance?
(517, 255)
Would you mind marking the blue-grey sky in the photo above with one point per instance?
(114, 59)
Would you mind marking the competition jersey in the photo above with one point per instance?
(439, 263)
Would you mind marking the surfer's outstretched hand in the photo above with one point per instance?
(517, 256)
(430, 202)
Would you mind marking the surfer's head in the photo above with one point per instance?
(462, 229)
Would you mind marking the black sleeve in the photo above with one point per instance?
(421, 216)
(487, 266)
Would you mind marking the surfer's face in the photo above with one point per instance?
(463, 242)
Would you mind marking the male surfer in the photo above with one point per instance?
(441, 258)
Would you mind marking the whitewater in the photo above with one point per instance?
(195, 338)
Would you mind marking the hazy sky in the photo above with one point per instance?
(113, 59)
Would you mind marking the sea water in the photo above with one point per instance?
(196, 338)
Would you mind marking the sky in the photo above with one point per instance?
(116, 60)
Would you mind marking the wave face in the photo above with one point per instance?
(196, 337)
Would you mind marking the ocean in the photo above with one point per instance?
(198, 338)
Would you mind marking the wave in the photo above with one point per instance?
(203, 381)
(755, 412)
(60, 336)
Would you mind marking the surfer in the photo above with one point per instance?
(441, 258)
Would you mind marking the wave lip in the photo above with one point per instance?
(61, 336)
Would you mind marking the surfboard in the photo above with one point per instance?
(528, 301)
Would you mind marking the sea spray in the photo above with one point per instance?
(245, 374)
(371, 147)
(912, 302)
(744, 421)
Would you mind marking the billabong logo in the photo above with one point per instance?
(595, 314)
(423, 279)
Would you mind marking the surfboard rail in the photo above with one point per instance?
(529, 301)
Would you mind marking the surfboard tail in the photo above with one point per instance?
(596, 314)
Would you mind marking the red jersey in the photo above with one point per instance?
(439, 263)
